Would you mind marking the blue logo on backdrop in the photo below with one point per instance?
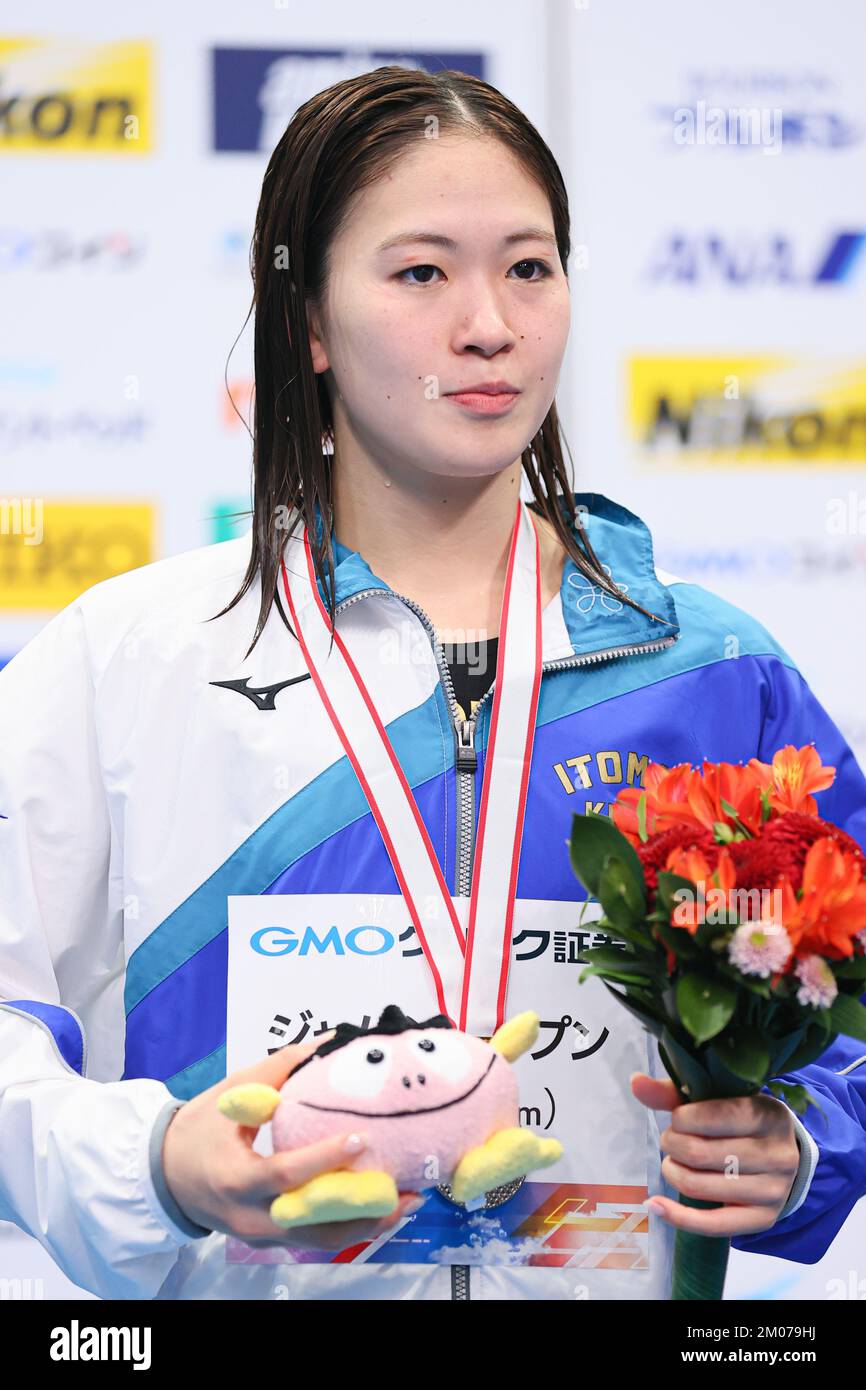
(710, 259)
(256, 91)
(282, 941)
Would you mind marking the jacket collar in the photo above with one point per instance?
(584, 618)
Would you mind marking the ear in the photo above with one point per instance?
(317, 346)
(516, 1036)
(250, 1104)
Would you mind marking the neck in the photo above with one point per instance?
(440, 541)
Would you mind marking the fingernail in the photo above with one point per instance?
(633, 1075)
(656, 1206)
(354, 1143)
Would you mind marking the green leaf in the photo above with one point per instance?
(796, 1097)
(680, 941)
(619, 959)
(705, 1005)
(850, 969)
(690, 1071)
(668, 884)
(726, 1082)
(755, 984)
(620, 894)
(745, 1053)
(783, 1048)
(731, 811)
(670, 1068)
(607, 972)
(847, 1015)
(640, 1006)
(637, 935)
(814, 1044)
(593, 839)
(641, 818)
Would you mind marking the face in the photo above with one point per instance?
(403, 326)
(410, 1073)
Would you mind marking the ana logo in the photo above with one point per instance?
(682, 258)
(366, 940)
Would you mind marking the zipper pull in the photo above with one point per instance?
(467, 758)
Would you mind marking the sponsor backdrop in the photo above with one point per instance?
(714, 381)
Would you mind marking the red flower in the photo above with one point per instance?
(654, 853)
(782, 847)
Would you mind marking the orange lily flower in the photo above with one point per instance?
(793, 774)
(667, 801)
(832, 909)
(692, 864)
(739, 786)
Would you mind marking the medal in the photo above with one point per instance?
(470, 973)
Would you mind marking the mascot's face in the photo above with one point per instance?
(408, 1073)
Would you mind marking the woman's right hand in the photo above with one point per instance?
(220, 1182)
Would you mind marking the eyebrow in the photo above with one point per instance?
(437, 239)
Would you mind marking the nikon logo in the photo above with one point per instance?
(75, 96)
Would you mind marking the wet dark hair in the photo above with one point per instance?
(338, 142)
(391, 1020)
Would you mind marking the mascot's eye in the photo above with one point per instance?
(449, 1057)
(360, 1070)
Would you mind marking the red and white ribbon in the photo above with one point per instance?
(470, 972)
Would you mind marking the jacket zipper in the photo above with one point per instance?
(466, 764)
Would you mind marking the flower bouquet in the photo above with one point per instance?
(739, 925)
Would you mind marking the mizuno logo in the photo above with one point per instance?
(262, 696)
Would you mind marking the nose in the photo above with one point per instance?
(420, 1078)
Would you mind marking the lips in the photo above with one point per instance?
(487, 388)
(490, 398)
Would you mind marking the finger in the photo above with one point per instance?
(739, 1189)
(721, 1221)
(410, 1202)
(655, 1093)
(329, 1235)
(743, 1153)
(281, 1172)
(733, 1115)
(274, 1070)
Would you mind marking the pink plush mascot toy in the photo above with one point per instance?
(440, 1106)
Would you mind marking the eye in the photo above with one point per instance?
(411, 269)
(446, 1055)
(545, 270)
(360, 1072)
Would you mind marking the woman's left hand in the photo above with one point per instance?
(742, 1152)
